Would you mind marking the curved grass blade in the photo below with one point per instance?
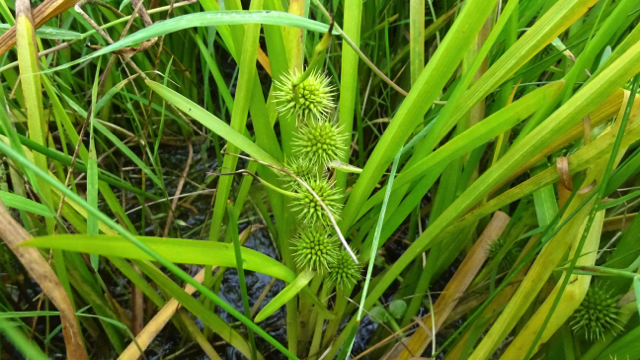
(237, 249)
(205, 20)
(20, 341)
(285, 295)
(21, 203)
(46, 32)
(212, 123)
(175, 250)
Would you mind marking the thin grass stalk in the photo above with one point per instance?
(416, 37)
(233, 233)
(238, 118)
(376, 238)
(349, 85)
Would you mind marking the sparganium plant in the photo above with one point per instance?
(315, 247)
(311, 99)
(302, 168)
(345, 272)
(320, 141)
(509, 257)
(307, 205)
(597, 315)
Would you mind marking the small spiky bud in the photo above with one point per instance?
(315, 248)
(301, 168)
(311, 99)
(309, 208)
(320, 141)
(509, 257)
(344, 272)
(597, 314)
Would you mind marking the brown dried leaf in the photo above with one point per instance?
(457, 285)
(37, 266)
(43, 13)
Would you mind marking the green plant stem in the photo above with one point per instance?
(233, 233)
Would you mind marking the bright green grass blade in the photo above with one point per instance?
(217, 77)
(92, 169)
(111, 92)
(627, 346)
(376, 238)
(46, 32)
(286, 294)
(209, 318)
(416, 43)
(244, 90)
(176, 250)
(232, 232)
(204, 19)
(585, 100)
(21, 203)
(141, 245)
(119, 144)
(32, 89)
(20, 341)
(349, 85)
(213, 123)
(428, 86)
(130, 154)
(473, 137)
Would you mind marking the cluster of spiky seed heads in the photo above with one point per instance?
(597, 315)
(317, 141)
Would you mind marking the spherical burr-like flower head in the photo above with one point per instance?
(309, 100)
(320, 141)
(344, 272)
(309, 208)
(509, 257)
(597, 315)
(300, 167)
(315, 247)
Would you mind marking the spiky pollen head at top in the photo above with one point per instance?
(597, 315)
(344, 272)
(309, 208)
(315, 248)
(309, 100)
(320, 141)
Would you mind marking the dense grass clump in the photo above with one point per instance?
(270, 179)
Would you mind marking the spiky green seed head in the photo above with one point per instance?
(312, 99)
(315, 248)
(301, 168)
(510, 256)
(309, 208)
(597, 315)
(344, 272)
(320, 141)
